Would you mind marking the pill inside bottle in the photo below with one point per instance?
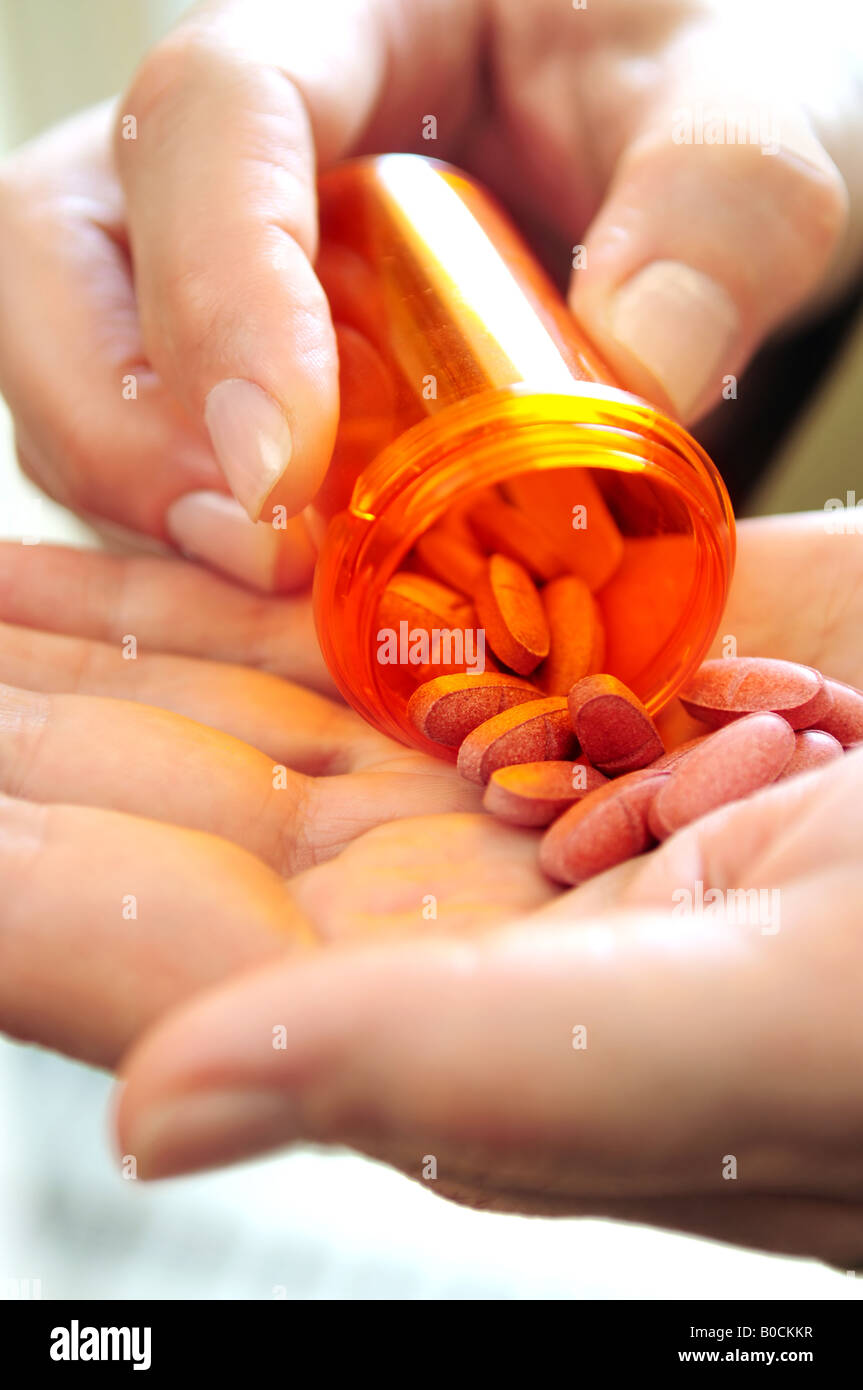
(477, 422)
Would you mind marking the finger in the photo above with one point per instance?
(108, 920)
(232, 111)
(291, 725)
(705, 243)
(166, 605)
(151, 762)
(408, 1043)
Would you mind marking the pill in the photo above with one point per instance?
(511, 613)
(723, 690)
(731, 764)
(422, 622)
(446, 708)
(844, 719)
(612, 726)
(529, 733)
(812, 748)
(604, 829)
(577, 641)
(569, 508)
(422, 602)
(503, 529)
(535, 793)
(450, 559)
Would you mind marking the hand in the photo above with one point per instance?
(183, 257)
(166, 820)
(719, 1090)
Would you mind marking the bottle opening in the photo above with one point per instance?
(592, 483)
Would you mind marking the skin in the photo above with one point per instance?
(407, 1036)
(185, 256)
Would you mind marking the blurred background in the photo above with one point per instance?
(312, 1225)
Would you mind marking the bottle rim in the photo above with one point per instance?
(470, 446)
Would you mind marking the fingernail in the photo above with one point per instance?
(214, 528)
(251, 439)
(209, 1129)
(680, 324)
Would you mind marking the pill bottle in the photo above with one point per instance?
(464, 377)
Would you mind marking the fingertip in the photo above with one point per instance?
(264, 555)
(699, 252)
(203, 1130)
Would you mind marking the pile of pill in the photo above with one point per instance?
(558, 743)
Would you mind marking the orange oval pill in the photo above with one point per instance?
(450, 559)
(530, 733)
(612, 726)
(422, 625)
(730, 765)
(730, 687)
(447, 708)
(812, 748)
(844, 719)
(511, 612)
(533, 794)
(576, 638)
(605, 829)
(502, 528)
(422, 602)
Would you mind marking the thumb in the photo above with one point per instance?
(703, 246)
(460, 1050)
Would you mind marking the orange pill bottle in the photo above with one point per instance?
(465, 379)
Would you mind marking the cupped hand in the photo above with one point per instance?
(166, 818)
(619, 1051)
(702, 152)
